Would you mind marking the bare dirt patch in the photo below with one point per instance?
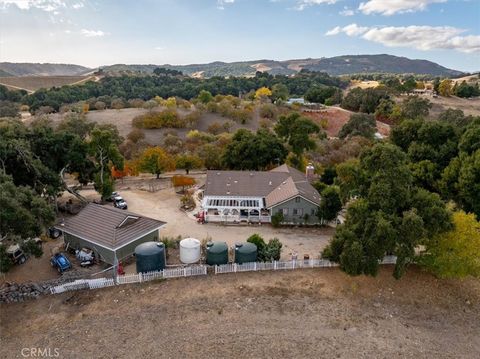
(301, 314)
(336, 117)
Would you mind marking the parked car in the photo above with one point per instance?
(112, 196)
(119, 202)
(61, 262)
(54, 232)
(16, 254)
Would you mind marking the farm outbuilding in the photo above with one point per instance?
(110, 232)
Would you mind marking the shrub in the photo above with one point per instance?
(170, 243)
(192, 118)
(272, 250)
(277, 219)
(99, 105)
(215, 128)
(268, 111)
(166, 118)
(136, 135)
(258, 241)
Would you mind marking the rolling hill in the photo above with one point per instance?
(37, 69)
(339, 65)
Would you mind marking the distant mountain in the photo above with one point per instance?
(339, 65)
(31, 69)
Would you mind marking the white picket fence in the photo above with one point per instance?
(130, 278)
(294, 264)
(199, 270)
(83, 284)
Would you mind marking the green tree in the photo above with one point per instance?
(205, 97)
(460, 181)
(330, 203)
(415, 107)
(391, 215)
(296, 131)
(456, 253)
(24, 213)
(359, 125)
(188, 161)
(103, 146)
(249, 151)
(280, 92)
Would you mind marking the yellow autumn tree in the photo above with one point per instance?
(156, 160)
(455, 254)
(445, 88)
(263, 92)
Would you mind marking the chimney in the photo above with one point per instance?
(310, 172)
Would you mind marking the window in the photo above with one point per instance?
(285, 211)
(297, 200)
(298, 211)
(312, 211)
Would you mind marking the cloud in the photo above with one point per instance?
(302, 4)
(221, 3)
(418, 37)
(159, 48)
(347, 12)
(78, 5)
(392, 7)
(92, 33)
(45, 5)
(350, 30)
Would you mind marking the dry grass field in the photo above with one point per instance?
(310, 313)
(468, 106)
(34, 83)
(123, 120)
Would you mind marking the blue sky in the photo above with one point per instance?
(102, 32)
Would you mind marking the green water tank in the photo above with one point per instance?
(245, 252)
(150, 256)
(217, 253)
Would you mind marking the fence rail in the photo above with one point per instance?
(197, 271)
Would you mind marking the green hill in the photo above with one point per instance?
(339, 65)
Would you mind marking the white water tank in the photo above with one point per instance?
(189, 250)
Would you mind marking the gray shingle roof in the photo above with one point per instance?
(108, 226)
(277, 185)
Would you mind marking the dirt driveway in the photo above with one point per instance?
(164, 205)
(318, 313)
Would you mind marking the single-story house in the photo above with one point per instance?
(255, 196)
(110, 232)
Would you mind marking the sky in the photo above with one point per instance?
(105, 32)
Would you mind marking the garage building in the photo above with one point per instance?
(109, 232)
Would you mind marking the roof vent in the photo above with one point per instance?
(218, 173)
(228, 192)
(270, 183)
(235, 181)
